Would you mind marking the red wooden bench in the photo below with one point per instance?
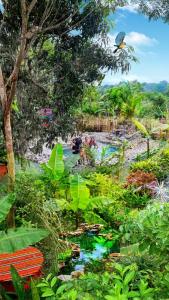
(28, 262)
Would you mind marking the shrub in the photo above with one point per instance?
(143, 181)
(148, 165)
(149, 229)
(135, 200)
(157, 164)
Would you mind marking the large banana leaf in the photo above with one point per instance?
(56, 163)
(5, 205)
(79, 193)
(16, 239)
(140, 127)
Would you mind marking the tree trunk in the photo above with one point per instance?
(7, 131)
(9, 149)
(11, 165)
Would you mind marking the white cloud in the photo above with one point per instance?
(140, 39)
(132, 8)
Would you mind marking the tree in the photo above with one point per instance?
(26, 25)
(155, 105)
(125, 99)
(155, 9)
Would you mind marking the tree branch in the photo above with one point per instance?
(2, 90)
(31, 7)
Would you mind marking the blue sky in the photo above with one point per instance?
(151, 44)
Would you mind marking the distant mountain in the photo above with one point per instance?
(160, 87)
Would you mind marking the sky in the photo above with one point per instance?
(150, 42)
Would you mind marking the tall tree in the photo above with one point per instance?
(25, 25)
(155, 9)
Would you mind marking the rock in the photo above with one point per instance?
(112, 255)
(77, 274)
(65, 277)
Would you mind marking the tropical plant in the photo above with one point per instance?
(143, 131)
(122, 284)
(149, 231)
(17, 238)
(142, 181)
(158, 164)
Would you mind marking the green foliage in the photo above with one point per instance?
(140, 127)
(55, 163)
(15, 239)
(123, 283)
(34, 291)
(20, 238)
(157, 164)
(149, 165)
(18, 284)
(155, 105)
(42, 73)
(79, 193)
(150, 230)
(134, 199)
(5, 204)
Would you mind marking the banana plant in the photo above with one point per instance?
(80, 195)
(55, 166)
(143, 131)
(17, 238)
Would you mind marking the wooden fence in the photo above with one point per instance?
(96, 124)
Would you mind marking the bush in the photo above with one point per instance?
(143, 181)
(149, 165)
(157, 164)
(134, 200)
(104, 169)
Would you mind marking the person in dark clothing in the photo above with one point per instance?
(76, 145)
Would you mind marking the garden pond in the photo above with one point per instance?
(92, 248)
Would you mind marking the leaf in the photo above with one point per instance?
(49, 277)
(34, 291)
(140, 127)
(129, 277)
(61, 289)
(92, 218)
(130, 250)
(48, 293)
(53, 282)
(16, 239)
(56, 163)
(18, 284)
(5, 205)
(79, 192)
(133, 294)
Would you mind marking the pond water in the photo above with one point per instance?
(92, 248)
(109, 149)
